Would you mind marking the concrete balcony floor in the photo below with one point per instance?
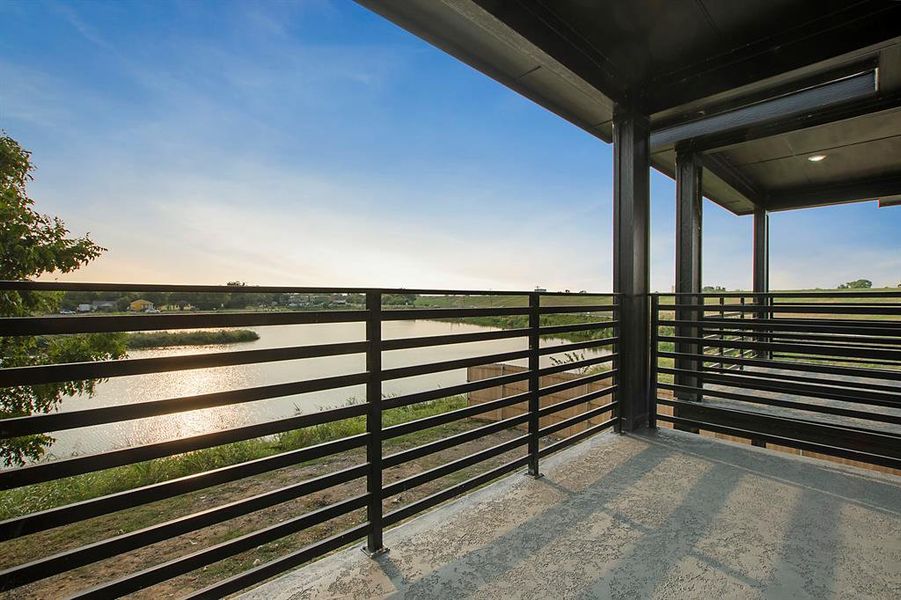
(657, 515)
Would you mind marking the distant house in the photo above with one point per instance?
(140, 305)
(103, 305)
(85, 308)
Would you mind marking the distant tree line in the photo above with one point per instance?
(229, 300)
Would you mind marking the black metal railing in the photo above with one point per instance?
(371, 313)
(819, 372)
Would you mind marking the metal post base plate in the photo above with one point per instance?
(374, 553)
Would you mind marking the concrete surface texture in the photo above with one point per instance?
(664, 514)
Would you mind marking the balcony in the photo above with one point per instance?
(740, 444)
(264, 478)
(655, 515)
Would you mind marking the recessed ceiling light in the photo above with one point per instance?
(816, 157)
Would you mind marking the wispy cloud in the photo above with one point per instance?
(311, 143)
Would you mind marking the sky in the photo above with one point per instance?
(315, 143)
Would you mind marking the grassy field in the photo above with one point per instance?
(43, 496)
(47, 495)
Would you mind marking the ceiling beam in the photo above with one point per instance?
(750, 117)
(844, 111)
(857, 25)
(724, 170)
(557, 39)
(834, 193)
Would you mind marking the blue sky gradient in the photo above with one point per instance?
(312, 142)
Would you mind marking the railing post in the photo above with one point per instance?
(534, 381)
(374, 543)
(617, 348)
(723, 333)
(743, 338)
(652, 376)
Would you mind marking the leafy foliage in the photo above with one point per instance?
(32, 244)
(857, 284)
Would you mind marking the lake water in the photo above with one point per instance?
(158, 386)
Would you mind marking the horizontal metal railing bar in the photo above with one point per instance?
(854, 351)
(577, 364)
(588, 414)
(392, 460)
(762, 328)
(578, 437)
(842, 394)
(775, 373)
(830, 340)
(103, 505)
(554, 329)
(451, 416)
(559, 387)
(185, 564)
(79, 286)
(853, 438)
(95, 462)
(91, 553)
(838, 326)
(453, 338)
(553, 408)
(451, 365)
(41, 374)
(778, 337)
(410, 314)
(861, 337)
(451, 492)
(265, 571)
(18, 426)
(805, 406)
(786, 294)
(795, 303)
(452, 467)
(576, 308)
(18, 326)
(578, 346)
(454, 390)
(852, 309)
(834, 358)
(586, 294)
(791, 366)
(774, 322)
(784, 441)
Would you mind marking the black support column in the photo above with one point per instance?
(688, 269)
(631, 267)
(761, 281)
(761, 251)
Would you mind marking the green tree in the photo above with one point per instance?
(32, 244)
(857, 284)
(399, 299)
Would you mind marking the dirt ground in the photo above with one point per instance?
(38, 545)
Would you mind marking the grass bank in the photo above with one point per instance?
(48, 495)
(162, 339)
(522, 321)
